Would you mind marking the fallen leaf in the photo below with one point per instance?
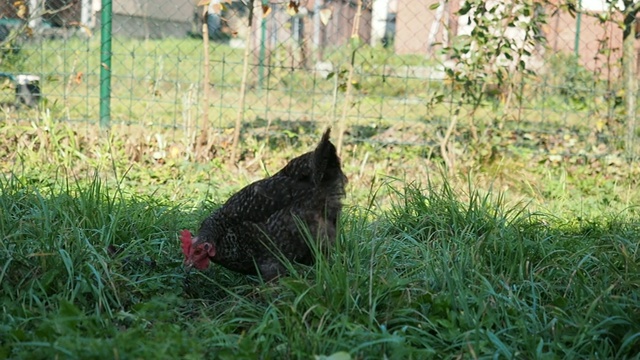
(159, 155)
(22, 11)
(266, 10)
(174, 152)
(555, 158)
(325, 15)
(293, 8)
(78, 78)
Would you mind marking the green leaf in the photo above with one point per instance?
(355, 41)
(67, 309)
(466, 7)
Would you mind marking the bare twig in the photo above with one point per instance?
(630, 77)
(204, 130)
(447, 154)
(34, 14)
(435, 26)
(355, 30)
(243, 86)
(67, 89)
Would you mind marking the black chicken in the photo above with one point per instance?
(260, 224)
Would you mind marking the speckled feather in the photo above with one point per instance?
(262, 219)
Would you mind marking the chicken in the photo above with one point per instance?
(260, 224)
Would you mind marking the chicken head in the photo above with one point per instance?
(196, 254)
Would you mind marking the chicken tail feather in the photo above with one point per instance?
(325, 160)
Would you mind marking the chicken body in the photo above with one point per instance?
(261, 223)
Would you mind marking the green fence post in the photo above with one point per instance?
(263, 39)
(106, 17)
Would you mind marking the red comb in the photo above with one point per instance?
(185, 238)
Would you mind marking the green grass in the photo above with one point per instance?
(159, 83)
(91, 271)
(90, 267)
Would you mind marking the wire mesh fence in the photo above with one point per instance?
(391, 71)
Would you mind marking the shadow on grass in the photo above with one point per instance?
(90, 272)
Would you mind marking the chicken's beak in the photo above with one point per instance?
(188, 265)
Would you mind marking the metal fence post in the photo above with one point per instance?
(105, 63)
(263, 45)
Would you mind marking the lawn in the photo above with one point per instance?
(506, 260)
(527, 248)
(158, 82)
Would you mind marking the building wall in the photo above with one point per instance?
(152, 18)
(172, 10)
(414, 19)
(561, 30)
(337, 31)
